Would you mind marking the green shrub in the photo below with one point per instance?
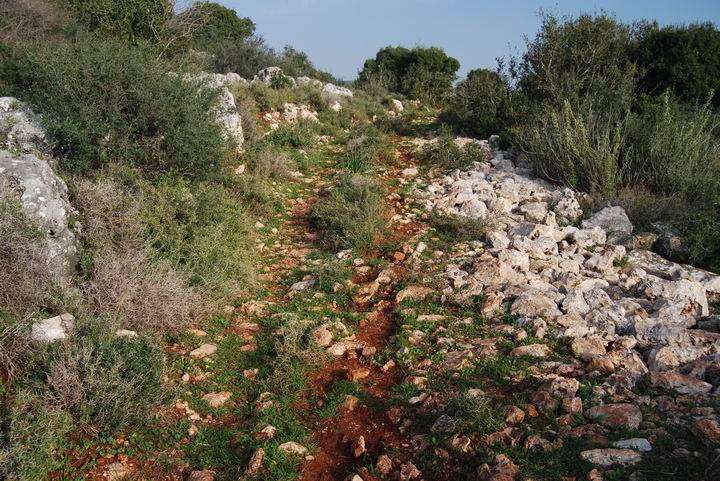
(678, 150)
(581, 148)
(484, 104)
(102, 379)
(218, 23)
(202, 229)
(131, 20)
(445, 153)
(33, 438)
(574, 59)
(366, 147)
(106, 103)
(351, 214)
(420, 73)
(279, 82)
(297, 136)
(681, 58)
(25, 279)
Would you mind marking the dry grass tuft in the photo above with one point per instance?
(25, 278)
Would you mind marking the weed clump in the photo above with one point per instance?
(351, 214)
(447, 154)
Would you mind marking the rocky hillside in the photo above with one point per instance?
(280, 276)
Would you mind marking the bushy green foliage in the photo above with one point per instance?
(484, 104)
(106, 103)
(593, 127)
(297, 136)
(203, 229)
(576, 146)
(32, 438)
(130, 20)
(445, 153)
(351, 214)
(683, 59)
(103, 379)
(216, 23)
(576, 59)
(420, 73)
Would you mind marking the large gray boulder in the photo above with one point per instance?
(614, 221)
(43, 196)
(335, 91)
(226, 112)
(267, 75)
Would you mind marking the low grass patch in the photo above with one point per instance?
(351, 214)
(454, 228)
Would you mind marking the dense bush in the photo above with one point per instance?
(24, 275)
(593, 127)
(576, 146)
(105, 380)
(130, 20)
(484, 104)
(420, 73)
(202, 229)
(216, 23)
(683, 59)
(32, 439)
(106, 103)
(577, 60)
(351, 214)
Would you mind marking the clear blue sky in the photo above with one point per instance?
(340, 34)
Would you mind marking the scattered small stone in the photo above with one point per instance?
(384, 465)
(358, 447)
(358, 374)
(532, 350)
(268, 432)
(388, 365)
(408, 471)
(204, 475)
(608, 457)
(203, 351)
(514, 415)
(707, 430)
(117, 471)
(350, 402)
(256, 462)
(443, 424)
(291, 447)
(217, 399)
(415, 293)
(616, 415)
(638, 444)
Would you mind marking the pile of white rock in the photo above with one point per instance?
(628, 313)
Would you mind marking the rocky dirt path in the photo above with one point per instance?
(366, 426)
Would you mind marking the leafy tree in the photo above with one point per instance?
(219, 24)
(579, 59)
(484, 104)
(421, 73)
(684, 59)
